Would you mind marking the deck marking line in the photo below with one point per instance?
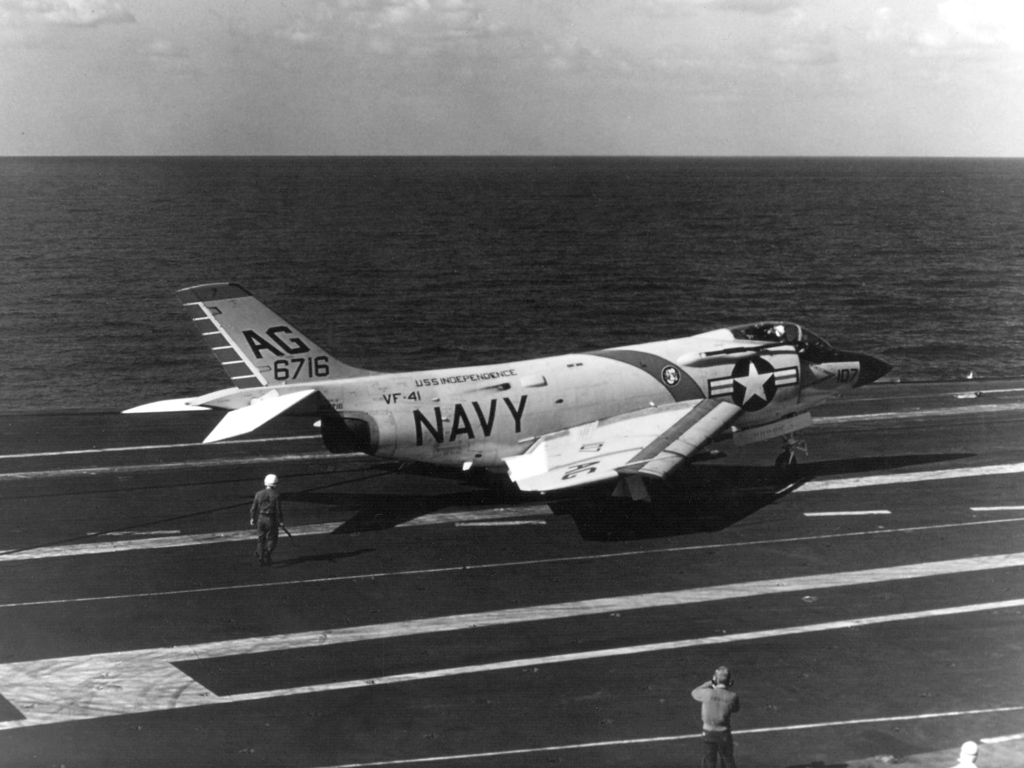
(848, 514)
(163, 542)
(1001, 739)
(498, 523)
(132, 682)
(911, 477)
(668, 645)
(227, 537)
(166, 447)
(161, 467)
(812, 485)
(996, 509)
(124, 682)
(105, 547)
(921, 414)
(507, 564)
(688, 736)
(474, 515)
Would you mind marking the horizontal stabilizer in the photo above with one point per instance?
(198, 403)
(245, 420)
(167, 406)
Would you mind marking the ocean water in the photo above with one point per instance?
(404, 263)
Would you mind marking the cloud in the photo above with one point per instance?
(313, 26)
(75, 13)
(809, 52)
(164, 49)
(958, 29)
(984, 23)
(388, 26)
(763, 7)
(883, 26)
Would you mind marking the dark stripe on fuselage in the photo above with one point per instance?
(685, 389)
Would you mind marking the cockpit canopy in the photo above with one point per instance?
(812, 347)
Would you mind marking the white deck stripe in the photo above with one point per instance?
(925, 413)
(164, 542)
(1002, 739)
(671, 645)
(99, 685)
(162, 447)
(161, 467)
(508, 564)
(109, 547)
(687, 736)
(848, 514)
(228, 537)
(505, 515)
(499, 523)
(911, 477)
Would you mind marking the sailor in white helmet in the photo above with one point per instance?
(968, 755)
(267, 516)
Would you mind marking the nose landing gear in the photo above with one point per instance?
(790, 446)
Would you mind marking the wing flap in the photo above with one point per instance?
(596, 451)
(644, 444)
(682, 439)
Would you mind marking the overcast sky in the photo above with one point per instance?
(508, 77)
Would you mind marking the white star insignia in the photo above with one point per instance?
(753, 384)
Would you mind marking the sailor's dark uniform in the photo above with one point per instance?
(267, 516)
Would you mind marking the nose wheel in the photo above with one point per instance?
(790, 447)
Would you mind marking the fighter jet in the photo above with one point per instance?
(628, 416)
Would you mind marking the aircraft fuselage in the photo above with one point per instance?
(636, 413)
(482, 414)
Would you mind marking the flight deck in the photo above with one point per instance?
(870, 602)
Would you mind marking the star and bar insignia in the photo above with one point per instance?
(753, 383)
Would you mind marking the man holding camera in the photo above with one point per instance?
(717, 703)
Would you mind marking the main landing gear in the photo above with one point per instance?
(790, 446)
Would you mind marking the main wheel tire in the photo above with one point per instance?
(786, 459)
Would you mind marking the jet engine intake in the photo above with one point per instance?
(347, 434)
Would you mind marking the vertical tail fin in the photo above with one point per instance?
(257, 347)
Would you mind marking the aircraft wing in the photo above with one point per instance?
(649, 443)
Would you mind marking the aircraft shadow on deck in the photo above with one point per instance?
(708, 497)
(323, 557)
(380, 511)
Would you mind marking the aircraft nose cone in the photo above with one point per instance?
(871, 369)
